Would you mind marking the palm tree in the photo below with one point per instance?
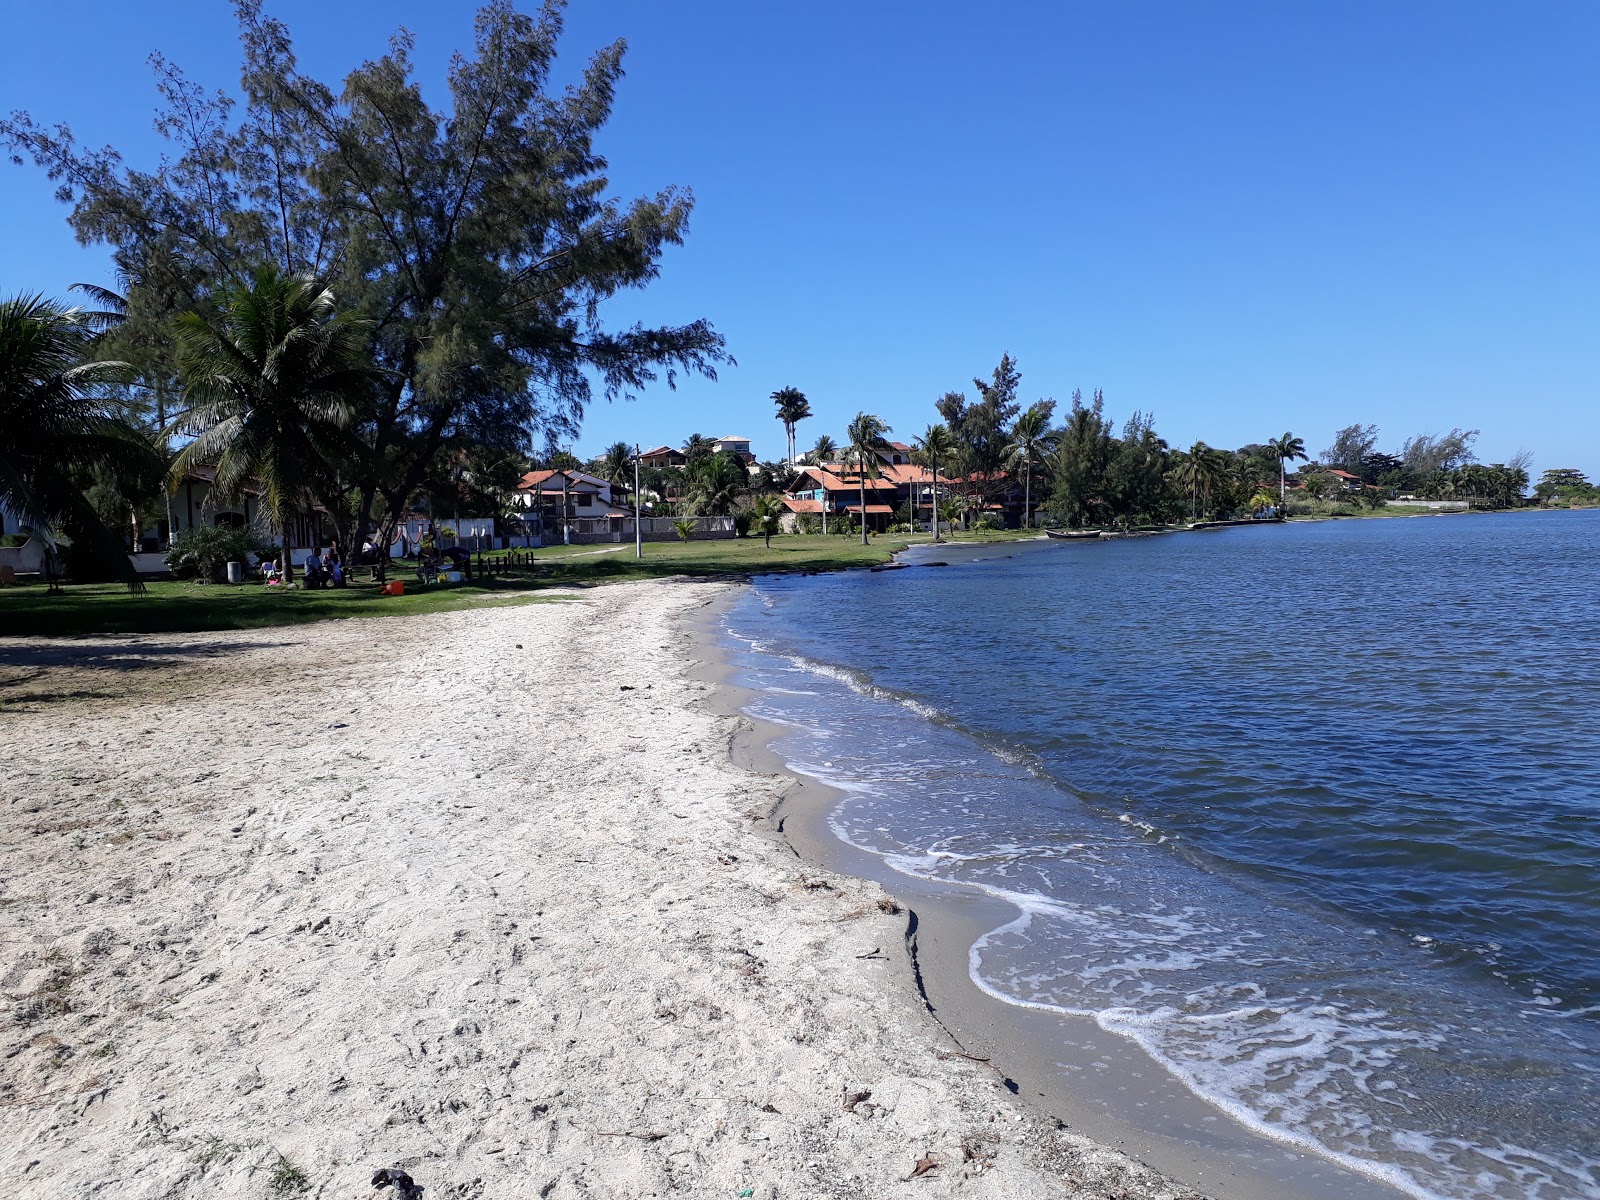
(616, 465)
(271, 384)
(768, 510)
(824, 451)
(866, 434)
(697, 447)
(793, 407)
(715, 484)
(934, 448)
(1199, 472)
(1031, 440)
(1286, 448)
(53, 426)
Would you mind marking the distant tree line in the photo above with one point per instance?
(1086, 470)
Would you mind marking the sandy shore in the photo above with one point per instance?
(481, 895)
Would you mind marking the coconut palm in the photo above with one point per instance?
(825, 451)
(697, 447)
(934, 449)
(866, 434)
(768, 510)
(793, 407)
(616, 465)
(271, 385)
(1031, 440)
(1286, 449)
(1199, 471)
(716, 482)
(53, 425)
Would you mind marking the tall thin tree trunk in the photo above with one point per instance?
(287, 574)
(863, 504)
(1283, 483)
(1027, 495)
(936, 536)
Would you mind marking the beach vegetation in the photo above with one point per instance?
(716, 483)
(793, 407)
(826, 450)
(285, 1178)
(273, 382)
(1286, 449)
(766, 514)
(63, 434)
(934, 450)
(1031, 440)
(30, 609)
(478, 239)
(982, 428)
(868, 434)
(1199, 472)
(1563, 487)
(204, 551)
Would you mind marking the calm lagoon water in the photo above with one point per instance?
(1311, 813)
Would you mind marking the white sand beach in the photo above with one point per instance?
(480, 895)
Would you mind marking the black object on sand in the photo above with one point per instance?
(404, 1188)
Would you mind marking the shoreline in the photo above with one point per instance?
(1119, 1098)
(482, 897)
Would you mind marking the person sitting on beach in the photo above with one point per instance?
(314, 573)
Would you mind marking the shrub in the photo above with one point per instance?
(685, 530)
(205, 551)
(741, 522)
(14, 539)
(808, 523)
(990, 521)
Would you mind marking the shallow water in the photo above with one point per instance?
(1311, 813)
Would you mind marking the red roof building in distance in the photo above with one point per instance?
(660, 457)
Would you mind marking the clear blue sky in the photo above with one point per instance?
(1242, 217)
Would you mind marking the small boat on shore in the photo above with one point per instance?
(1071, 535)
(1234, 524)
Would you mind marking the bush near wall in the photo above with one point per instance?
(204, 553)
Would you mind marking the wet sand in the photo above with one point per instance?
(1095, 1083)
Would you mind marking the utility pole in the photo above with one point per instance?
(638, 528)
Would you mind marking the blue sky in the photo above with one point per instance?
(1242, 217)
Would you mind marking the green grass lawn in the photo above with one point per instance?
(170, 607)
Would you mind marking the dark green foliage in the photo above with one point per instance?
(204, 551)
(981, 430)
(715, 483)
(1136, 476)
(1351, 447)
(478, 239)
(867, 434)
(793, 407)
(1565, 485)
(1200, 473)
(59, 435)
(766, 515)
(274, 383)
(1084, 451)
